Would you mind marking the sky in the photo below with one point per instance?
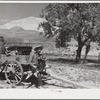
(13, 11)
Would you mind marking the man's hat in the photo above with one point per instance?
(40, 47)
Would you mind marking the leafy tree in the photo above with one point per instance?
(78, 20)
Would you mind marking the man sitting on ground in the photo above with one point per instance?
(37, 62)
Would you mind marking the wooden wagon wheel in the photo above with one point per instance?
(13, 72)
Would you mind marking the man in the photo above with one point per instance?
(37, 62)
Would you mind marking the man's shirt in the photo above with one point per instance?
(33, 59)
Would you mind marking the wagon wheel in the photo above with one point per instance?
(13, 72)
(2, 67)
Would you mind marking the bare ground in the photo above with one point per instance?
(87, 74)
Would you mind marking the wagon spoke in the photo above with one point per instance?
(16, 79)
(13, 79)
(18, 76)
(18, 73)
(17, 69)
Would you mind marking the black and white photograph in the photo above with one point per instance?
(50, 46)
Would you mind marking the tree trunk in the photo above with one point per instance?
(80, 45)
(79, 50)
(86, 52)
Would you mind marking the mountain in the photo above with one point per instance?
(29, 23)
(23, 30)
(19, 34)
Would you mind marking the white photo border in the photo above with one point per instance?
(48, 93)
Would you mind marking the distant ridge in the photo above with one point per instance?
(24, 30)
(29, 23)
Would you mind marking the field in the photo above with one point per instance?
(62, 60)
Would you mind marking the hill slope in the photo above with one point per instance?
(30, 23)
(17, 33)
(25, 29)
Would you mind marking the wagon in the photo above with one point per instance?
(14, 65)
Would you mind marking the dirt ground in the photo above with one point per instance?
(49, 84)
(87, 74)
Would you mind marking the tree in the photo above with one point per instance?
(78, 20)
